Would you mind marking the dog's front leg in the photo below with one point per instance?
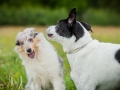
(83, 81)
(32, 85)
(58, 84)
(28, 86)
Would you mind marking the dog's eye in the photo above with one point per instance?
(21, 43)
(30, 40)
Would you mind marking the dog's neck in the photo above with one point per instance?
(70, 44)
(78, 49)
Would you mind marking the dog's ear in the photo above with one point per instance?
(17, 43)
(86, 26)
(72, 17)
(35, 34)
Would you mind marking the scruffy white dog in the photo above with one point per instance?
(94, 65)
(43, 65)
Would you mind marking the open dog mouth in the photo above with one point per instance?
(31, 54)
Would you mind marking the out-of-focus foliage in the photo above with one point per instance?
(101, 17)
(80, 4)
(46, 12)
(105, 4)
(30, 16)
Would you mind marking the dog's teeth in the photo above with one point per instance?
(31, 55)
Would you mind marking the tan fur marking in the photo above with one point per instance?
(35, 41)
(20, 49)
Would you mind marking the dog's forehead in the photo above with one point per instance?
(19, 35)
(26, 34)
(29, 30)
(61, 22)
(22, 36)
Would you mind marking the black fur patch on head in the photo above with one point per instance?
(72, 17)
(34, 34)
(117, 55)
(63, 30)
(68, 27)
(78, 31)
(17, 43)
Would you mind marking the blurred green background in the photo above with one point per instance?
(16, 15)
(47, 12)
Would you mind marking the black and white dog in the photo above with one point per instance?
(94, 65)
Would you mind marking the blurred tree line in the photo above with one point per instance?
(37, 8)
(80, 4)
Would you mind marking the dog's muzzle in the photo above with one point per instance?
(31, 53)
(49, 31)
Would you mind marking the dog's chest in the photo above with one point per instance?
(78, 66)
(37, 71)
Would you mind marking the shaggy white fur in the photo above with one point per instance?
(45, 68)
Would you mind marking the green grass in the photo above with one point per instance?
(12, 73)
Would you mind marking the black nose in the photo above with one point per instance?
(29, 50)
(50, 35)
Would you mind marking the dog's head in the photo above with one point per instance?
(68, 28)
(26, 43)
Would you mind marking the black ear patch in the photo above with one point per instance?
(72, 17)
(87, 26)
(117, 55)
(35, 34)
(17, 43)
(78, 31)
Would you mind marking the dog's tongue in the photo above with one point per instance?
(31, 55)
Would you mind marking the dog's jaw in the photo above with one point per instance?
(31, 55)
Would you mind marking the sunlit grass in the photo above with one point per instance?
(12, 73)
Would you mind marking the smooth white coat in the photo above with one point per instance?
(94, 67)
